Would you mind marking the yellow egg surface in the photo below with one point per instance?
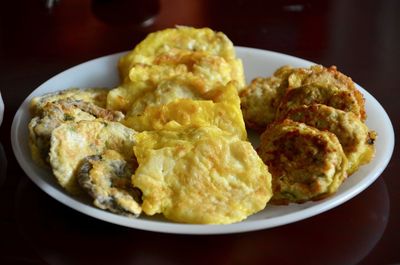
(170, 40)
(198, 72)
(72, 142)
(200, 175)
(220, 107)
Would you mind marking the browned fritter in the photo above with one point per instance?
(315, 93)
(327, 76)
(353, 134)
(260, 99)
(305, 163)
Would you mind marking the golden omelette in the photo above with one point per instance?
(200, 175)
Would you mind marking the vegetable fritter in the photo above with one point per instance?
(72, 142)
(305, 163)
(261, 98)
(353, 134)
(107, 178)
(319, 94)
(97, 96)
(55, 113)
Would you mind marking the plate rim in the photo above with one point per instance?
(195, 229)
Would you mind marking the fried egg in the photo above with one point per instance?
(200, 175)
(354, 136)
(305, 163)
(107, 178)
(72, 142)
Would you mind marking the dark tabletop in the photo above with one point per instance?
(362, 38)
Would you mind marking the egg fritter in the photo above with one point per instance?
(170, 42)
(305, 163)
(261, 98)
(72, 142)
(55, 113)
(194, 72)
(219, 107)
(107, 178)
(200, 175)
(353, 134)
(97, 96)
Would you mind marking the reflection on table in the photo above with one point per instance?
(63, 236)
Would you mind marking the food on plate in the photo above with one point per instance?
(261, 98)
(74, 141)
(97, 96)
(202, 57)
(319, 94)
(171, 139)
(305, 163)
(53, 114)
(107, 178)
(354, 136)
(170, 43)
(330, 77)
(200, 175)
(219, 107)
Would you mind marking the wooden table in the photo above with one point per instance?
(360, 37)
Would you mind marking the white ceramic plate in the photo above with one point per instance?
(102, 72)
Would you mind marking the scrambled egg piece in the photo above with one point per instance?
(219, 107)
(261, 98)
(53, 114)
(170, 42)
(354, 136)
(72, 142)
(200, 175)
(97, 96)
(107, 178)
(305, 163)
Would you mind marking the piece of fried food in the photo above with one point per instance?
(193, 73)
(305, 163)
(107, 178)
(55, 113)
(330, 77)
(97, 96)
(261, 98)
(72, 142)
(354, 136)
(219, 107)
(314, 93)
(200, 175)
(170, 42)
